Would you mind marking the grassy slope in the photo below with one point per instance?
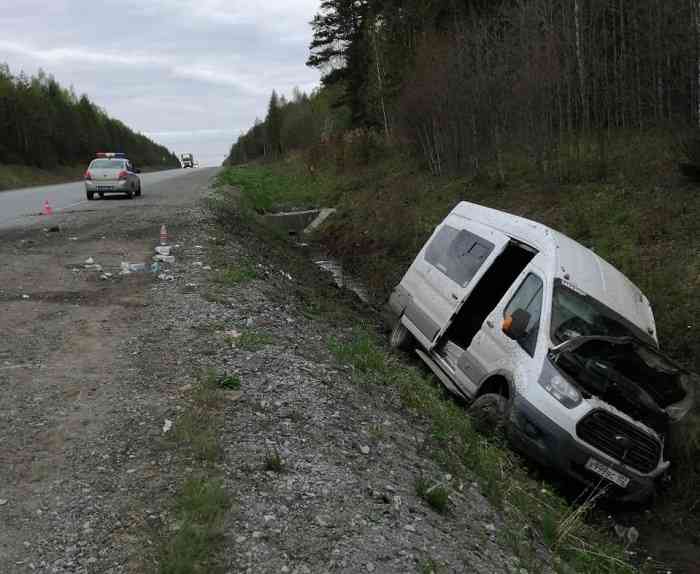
(18, 176)
(642, 219)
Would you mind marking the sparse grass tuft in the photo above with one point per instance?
(235, 274)
(273, 461)
(253, 341)
(435, 494)
(200, 507)
(230, 382)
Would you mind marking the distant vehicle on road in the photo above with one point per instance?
(187, 160)
(112, 173)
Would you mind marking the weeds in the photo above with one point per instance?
(273, 461)
(200, 507)
(235, 274)
(230, 383)
(252, 341)
(435, 494)
(201, 503)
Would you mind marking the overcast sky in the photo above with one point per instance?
(191, 74)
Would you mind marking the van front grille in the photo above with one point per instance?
(621, 440)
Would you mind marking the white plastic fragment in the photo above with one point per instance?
(25, 296)
(125, 268)
(163, 249)
(3, 501)
(167, 425)
(89, 261)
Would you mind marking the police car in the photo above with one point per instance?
(112, 173)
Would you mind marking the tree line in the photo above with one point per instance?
(470, 81)
(45, 125)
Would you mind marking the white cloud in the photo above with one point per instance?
(77, 54)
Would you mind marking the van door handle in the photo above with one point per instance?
(490, 323)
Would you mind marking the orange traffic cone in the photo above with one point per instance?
(163, 235)
(46, 210)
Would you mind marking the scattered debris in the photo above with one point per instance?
(167, 425)
(166, 277)
(25, 296)
(3, 501)
(89, 261)
(364, 449)
(54, 229)
(72, 239)
(164, 258)
(106, 276)
(163, 250)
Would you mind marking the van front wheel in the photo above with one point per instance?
(488, 414)
(401, 337)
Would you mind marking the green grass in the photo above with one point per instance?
(18, 176)
(273, 461)
(200, 506)
(435, 494)
(254, 341)
(230, 382)
(278, 186)
(194, 545)
(232, 275)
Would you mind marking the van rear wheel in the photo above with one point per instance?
(489, 414)
(401, 337)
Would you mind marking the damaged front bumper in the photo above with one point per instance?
(541, 439)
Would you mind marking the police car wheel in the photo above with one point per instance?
(488, 414)
(130, 194)
(89, 195)
(138, 191)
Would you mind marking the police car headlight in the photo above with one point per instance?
(562, 390)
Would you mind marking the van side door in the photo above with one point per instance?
(491, 350)
(443, 273)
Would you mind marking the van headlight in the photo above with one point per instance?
(562, 390)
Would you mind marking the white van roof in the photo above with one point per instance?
(567, 259)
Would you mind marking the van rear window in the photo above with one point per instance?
(458, 253)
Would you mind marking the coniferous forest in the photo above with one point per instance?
(45, 125)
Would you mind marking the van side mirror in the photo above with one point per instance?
(515, 325)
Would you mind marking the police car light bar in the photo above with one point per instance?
(111, 154)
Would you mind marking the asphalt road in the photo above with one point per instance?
(23, 206)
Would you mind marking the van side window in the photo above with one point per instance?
(528, 297)
(458, 253)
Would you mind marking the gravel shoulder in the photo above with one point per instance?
(91, 371)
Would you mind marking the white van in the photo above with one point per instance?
(548, 340)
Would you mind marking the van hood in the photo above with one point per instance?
(629, 374)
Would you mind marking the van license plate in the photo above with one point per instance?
(104, 188)
(606, 472)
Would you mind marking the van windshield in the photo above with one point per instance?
(575, 314)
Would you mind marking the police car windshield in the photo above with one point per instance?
(108, 164)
